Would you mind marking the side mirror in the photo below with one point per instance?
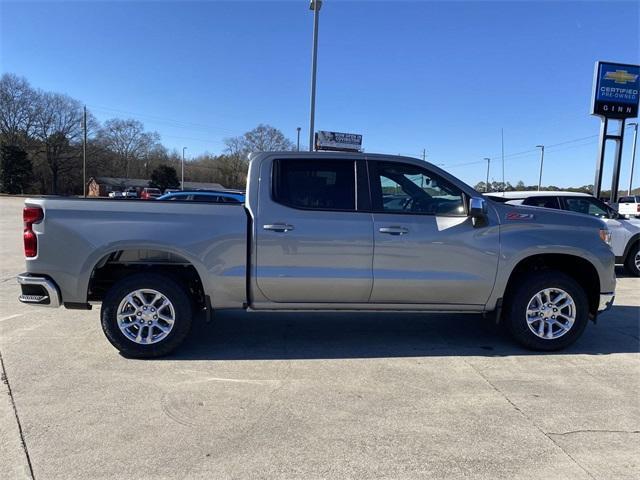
(478, 211)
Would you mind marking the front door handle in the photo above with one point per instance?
(394, 230)
(278, 227)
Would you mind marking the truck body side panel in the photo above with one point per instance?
(76, 234)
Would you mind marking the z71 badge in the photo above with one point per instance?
(519, 216)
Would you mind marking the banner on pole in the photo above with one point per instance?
(616, 89)
(344, 142)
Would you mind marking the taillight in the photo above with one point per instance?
(638, 208)
(31, 215)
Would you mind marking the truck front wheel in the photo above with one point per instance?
(547, 310)
(146, 315)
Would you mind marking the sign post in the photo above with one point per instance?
(615, 96)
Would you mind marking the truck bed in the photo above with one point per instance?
(77, 235)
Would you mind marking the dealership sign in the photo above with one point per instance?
(349, 142)
(615, 90)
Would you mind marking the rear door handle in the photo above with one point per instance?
(278, 227)
(394, 230)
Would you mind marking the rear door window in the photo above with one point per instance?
(315, 184)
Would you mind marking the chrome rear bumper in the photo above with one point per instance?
(606, 301)
(40, 291)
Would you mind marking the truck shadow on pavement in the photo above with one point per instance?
(281, 336)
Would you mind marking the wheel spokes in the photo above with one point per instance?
(550, 313)
(140, 309)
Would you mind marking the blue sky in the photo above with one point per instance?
(444, 76)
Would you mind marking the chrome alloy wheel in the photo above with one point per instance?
(636, 260)
(145, 316)
(551, 313)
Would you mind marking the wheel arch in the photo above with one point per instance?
(635, 239)
(111, 265)
(581, 270)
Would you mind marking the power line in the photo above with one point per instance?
(532, 152)
(165, 120)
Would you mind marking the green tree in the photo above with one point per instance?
(164, 177)
(15, 170)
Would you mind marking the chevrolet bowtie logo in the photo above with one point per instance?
(620, 76)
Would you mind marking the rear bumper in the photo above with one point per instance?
(606, 301)
(38, 290)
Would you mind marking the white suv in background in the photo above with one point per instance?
(625, 234)
(629, 206)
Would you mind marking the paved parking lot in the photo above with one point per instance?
(314, 396)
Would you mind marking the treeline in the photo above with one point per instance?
(520, 186)
(41, 145)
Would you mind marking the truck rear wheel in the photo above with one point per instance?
(547, 311)
(632, 262)
(146, 315)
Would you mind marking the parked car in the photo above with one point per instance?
(171, 190)
(315, 234)
(625, 234)
(204, 196)
(130, 193)
(116, 194)
(148, 193)
(629, 206)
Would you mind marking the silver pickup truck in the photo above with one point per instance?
(319, 231)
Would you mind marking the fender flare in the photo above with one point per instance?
(632, 241)
(94, 259)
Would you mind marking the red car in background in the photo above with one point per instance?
(150, 193)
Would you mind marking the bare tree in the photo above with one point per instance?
(58, 128)
(264, 138)
(129, 143)
(17, 109)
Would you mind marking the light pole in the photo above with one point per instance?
(182, 182)
(486, 185)
(633, 154)
(298, 129)
(84, 152)
(541, 147)
(315, 5)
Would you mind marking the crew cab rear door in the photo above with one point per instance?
(426, 249)
(313, 244)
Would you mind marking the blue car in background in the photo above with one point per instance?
(208, 196)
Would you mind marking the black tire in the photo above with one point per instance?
(528, 285)
(630, 261)
(169, 289)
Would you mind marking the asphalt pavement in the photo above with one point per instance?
(314, 396)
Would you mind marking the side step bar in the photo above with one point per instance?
(39, 291)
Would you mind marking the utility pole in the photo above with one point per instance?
(541, 147)
(424, 154)
(182, 182)
(633, 155)
(84, 152)
(298, 129)
(486, 188)
(504, 185)
(315, 5)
